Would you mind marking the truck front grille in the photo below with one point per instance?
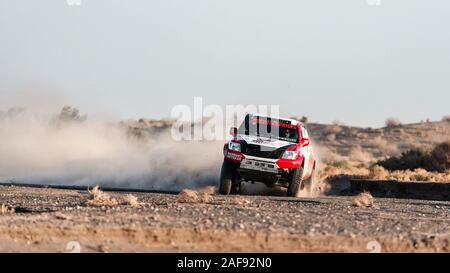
(265, 152)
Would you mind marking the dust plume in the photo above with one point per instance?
(69, 149)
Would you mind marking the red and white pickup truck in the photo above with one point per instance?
(271, 150)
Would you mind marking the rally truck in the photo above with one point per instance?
(271, 150)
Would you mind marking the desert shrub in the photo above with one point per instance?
(342, 168)
(433, 160)
(5, 209)
(439, 159)
(131, 200)
(409, 160)
(378, 172)
(363, 200)
(339, 171)
(392, 122)
(98, 197)
(446, 118)
(70, 114)
(420, 175)
(191, 196)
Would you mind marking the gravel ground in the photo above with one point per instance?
(46, 220)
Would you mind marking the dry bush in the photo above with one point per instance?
(415, 175)
(433, 160)
(409, 160)
(446, 118)
(5, 209)
(188, 196)
(392, 122)
(131, 200)
(364, 200)
(337, 170)
(153, 123)
(70, 114)
(378, 173)
(191, 196)
(342, 168)
(439, 159)
(99, 198)
(420, 175)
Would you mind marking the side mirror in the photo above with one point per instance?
(304, 142)
(233, 131)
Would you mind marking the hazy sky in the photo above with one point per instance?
(330, 60)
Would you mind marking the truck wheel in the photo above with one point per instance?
(309, 183)
(236, 188)
(296, 183)
(226, 177)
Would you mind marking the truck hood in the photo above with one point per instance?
(265, 142)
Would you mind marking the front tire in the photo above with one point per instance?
(309, 183)
(226, 177)
(296, 184)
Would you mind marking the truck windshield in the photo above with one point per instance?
(269, 128)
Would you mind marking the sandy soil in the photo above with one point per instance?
(47, 220)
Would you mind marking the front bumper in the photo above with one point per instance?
(259, 169)
(259, 164)
(266, 170)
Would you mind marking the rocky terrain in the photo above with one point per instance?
(338, 142)
(42, 220)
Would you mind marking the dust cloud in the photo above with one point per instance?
(51, 149)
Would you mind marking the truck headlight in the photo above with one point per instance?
(292, 155)
(233, 146)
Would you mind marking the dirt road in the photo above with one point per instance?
(48, 219)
